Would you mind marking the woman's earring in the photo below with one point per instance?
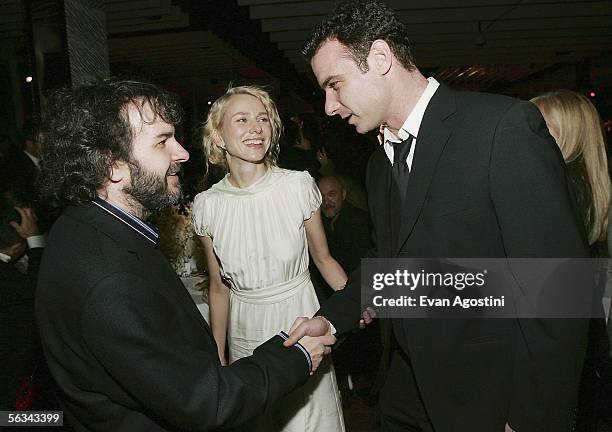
(223, 149)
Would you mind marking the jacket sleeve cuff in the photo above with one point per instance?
(285, 336)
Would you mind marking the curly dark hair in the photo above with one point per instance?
(357, 24)
(85, 130)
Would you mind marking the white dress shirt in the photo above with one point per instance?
(412, 124)
(21, 264)
(34, 159)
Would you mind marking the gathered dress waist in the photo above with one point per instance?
(274, 293)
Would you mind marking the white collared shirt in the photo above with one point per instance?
(4, 258)
(412, 124)
(37, 241)
(34, 159)
(21, 264)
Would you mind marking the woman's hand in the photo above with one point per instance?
(322, 157)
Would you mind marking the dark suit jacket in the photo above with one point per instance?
(126, 344)
(21, 174)
(18, 174)
(348, 242)
(350, 239)
(487, 181)
(18, 342)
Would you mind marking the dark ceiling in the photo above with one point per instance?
(515, 47)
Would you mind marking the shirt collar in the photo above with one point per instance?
(413, 121)
(145, 229)
(34, 159)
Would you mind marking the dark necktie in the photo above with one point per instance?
(399, 183)
(401, 173)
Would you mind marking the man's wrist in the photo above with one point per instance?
(330, 327)
(299, 346)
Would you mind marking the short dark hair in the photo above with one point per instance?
(84, 131)
(28, 131)
(356, 24)
(290, 135)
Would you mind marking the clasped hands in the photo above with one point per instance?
(315, 335)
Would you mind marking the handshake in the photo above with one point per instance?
(315, 334)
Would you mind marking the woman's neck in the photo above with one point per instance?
(242, 174)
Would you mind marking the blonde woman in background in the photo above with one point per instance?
(575, 125)
(257, 225)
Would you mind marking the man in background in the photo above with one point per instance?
(21, 248)
(23, 166)
(347, 229)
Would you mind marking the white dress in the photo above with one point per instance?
(259, 237)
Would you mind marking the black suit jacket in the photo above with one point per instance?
(350, 239)
(487, 181)
(126, 344)
(21, 174)
(19, 349)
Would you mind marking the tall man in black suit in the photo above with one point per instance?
(22, 166)
(19, 173)
(123, 339)
(478, 175)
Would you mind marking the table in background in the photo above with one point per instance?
(196, 295)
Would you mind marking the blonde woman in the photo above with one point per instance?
(257, 225)
(575, 125)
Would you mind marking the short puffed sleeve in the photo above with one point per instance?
(309, 194)
(200, 215)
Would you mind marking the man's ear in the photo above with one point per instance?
(380, 56)
(343, 194)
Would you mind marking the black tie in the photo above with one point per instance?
(401, 173)
(399, 183)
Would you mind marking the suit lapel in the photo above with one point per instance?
(434, 133)
(150, 258)
(378, 196)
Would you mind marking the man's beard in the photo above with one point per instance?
(150, 190)
(330, 213)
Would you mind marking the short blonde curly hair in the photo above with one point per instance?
(214, 121)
